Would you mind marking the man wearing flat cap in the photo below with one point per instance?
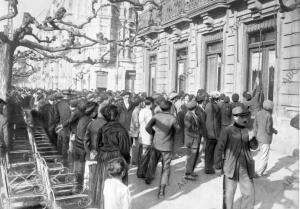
(233, 158)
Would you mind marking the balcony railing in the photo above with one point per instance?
(149, 18)
(173, 9)
(176, 9)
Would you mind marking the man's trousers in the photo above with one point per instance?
(166, 165)
(209, 155)
(246, 187)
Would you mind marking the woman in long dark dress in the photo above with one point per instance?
(114, 142)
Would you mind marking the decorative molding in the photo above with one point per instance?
(255, 6)
(262, 24)
(213, 36)
(208, 21)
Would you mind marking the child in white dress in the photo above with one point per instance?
(116, 193)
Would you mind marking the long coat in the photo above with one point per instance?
(91, 135)
(63, 113)
(226, 119)
(232, 147)
(200, 112)
(79, 149)
(213, 120)
(192, 130)
(125, 114)
(263, 126)
(3, 134)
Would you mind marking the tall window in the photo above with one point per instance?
(101, 80)
(181, 70)
(262, 58)
(130, 80)
(214, 66)
(152, 75)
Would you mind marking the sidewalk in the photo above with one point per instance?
(277, 190)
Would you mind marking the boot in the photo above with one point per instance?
(161, 191)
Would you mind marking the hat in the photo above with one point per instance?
(235, 97)
(165, 105)
(173, 95)
(89, 97)
(81, 105)
(90, 107)
(73, 103)
(248, 96)
(222, 96)
(191, 105)
(226, 99)
(240, 110)
(51, 97)
(215, 94)
(125, 93)
(200, 99)
(59, 96)
(268, 105)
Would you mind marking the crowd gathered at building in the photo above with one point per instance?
(113, 131)
(215, 77)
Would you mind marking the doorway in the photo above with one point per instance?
(262, 58)
(214, 66)
(181, 70)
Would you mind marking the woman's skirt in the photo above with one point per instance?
(99, 178)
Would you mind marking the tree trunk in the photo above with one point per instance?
(6, 63)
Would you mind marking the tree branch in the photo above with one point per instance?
(89, 19)
(45, 56)
(4, 38)
(47, 40)
(33, 45)
(14, 6)
(25, 74)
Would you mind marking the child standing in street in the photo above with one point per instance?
(263, 130)
(116, 194)
(237, 164)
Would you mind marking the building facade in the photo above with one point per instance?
(224, 45)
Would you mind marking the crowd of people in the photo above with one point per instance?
(110, 131)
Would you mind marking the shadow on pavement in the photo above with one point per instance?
(269, 193)
(284, 162)
(145, 196)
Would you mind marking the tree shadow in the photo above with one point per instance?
(284, 162)
(268, 193)
(145, 196)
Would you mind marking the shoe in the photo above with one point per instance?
(256, 176)
(161, 192)
(148, 181)
(209, 172)
(190, 177)
(141, 176)
(194, 174)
